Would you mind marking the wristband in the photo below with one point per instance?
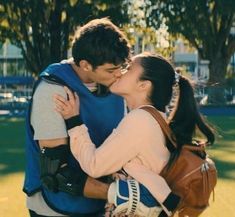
(73, 122)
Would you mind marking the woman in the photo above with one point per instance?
(138, 144)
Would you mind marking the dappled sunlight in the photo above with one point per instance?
(4, 199)
(226, 169)
(15, 151)
(230, 131)
(12, 198)
(9, 120)
(12, 146)
(223, 205)
(3, 167)
(13, 177)
(223, 153)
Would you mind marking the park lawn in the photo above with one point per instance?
(12, 162)
(223, 153)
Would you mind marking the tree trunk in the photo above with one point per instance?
(216, 83)
(55, 31)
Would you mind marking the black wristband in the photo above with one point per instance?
(172, 201)
(73, 122)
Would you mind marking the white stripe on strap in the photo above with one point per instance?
(134, 196)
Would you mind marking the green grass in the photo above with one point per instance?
(223, 153)
(12, 162)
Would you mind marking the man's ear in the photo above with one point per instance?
(85, 65)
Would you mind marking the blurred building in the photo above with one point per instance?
(190, 60)
(15, 81)
(12, 62)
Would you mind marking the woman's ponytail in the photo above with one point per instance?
(185, 116)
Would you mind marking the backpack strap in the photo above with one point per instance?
(163, 124)
(54, 80)
(168, 132)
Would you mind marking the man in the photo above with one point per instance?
(54, 181)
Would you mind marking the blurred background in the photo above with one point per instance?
(198, 36)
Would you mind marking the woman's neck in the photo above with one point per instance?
(133, 103)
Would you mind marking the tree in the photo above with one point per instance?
(145, 37)
(206, 24)
(42, 28)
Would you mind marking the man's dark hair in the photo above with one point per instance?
(100, 42)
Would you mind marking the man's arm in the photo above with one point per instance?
(52, 143)
(95, 189)
(92, 188)
(50, 132)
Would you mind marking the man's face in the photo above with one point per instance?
(129, 83)
(106, 74)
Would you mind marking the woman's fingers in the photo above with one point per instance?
(59, 109)
(61, 105)
(60, 98)
(76, 96)
(67, 107)
(70, 94)
(60, 101)
(77, 99)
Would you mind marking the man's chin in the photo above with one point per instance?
(112, 88)
(105, 85)
(110, 85)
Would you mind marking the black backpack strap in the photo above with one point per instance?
(53, 79)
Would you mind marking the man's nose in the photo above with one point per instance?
(118, 73)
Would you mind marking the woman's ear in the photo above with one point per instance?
(145, 85)
(85, 65)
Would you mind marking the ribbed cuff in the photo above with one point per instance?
(163, 214)
(73, 122)
(171, 202)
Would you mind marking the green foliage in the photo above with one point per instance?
(42, 28)
(140, 31)
(206, 24)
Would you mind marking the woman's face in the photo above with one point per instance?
(129, 82)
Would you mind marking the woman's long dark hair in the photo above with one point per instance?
(185, 116)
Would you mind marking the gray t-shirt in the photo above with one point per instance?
(47, 124)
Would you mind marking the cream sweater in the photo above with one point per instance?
(137, 145)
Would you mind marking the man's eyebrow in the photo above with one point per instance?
(113, 68)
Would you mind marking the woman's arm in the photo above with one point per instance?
(120, 147)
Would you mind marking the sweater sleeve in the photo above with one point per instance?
(120, 147)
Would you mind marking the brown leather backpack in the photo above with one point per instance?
(192, 175)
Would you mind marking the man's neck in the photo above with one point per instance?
(82, 75)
